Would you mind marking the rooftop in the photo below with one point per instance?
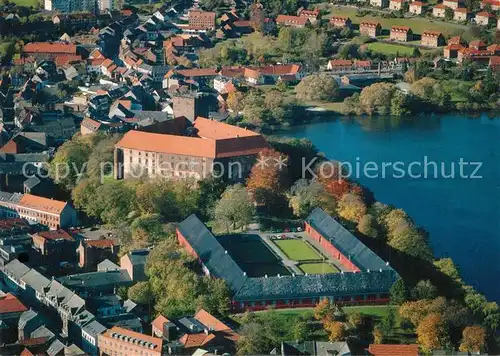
(215, 140)
(136, 338)
(390, 350)
(59, 234)
(10, 304)
(42, 204)
(48, 47)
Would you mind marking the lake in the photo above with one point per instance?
(460, 212)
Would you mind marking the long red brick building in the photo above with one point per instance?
(366, 278)
(203, 147)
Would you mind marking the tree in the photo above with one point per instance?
(474, 339)
(323, 309)
(235, 101)
(413, 242)
(446, 266)
(348, 51)
(210, 190)
(305, 195)
(336, 331)
(448, 14)
(424, 290)
(70, 162)
(234, 209)
(141, 293)
(352, 207)
(378, 335)
(431, 333)
(368, 225)
(399, 292)
(253, 340)
(401, 104)
(317, 87)
(377, 98)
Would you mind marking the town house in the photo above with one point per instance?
(379, 3)
(432, 39)
(201, 19)
(396, 5)
(312, 15)
(370, 29)
(340, 21)
(439, 11)
(462, 14)
(292, 21)
(401, 34)
(416, 7)
(452, 4)
(484, 18)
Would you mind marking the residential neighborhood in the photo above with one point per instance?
(154, 199)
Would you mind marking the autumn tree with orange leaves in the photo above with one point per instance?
(267, 177)
(432, 333)
(336, 330)
(473, 339)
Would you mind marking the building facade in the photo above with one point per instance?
(401, 34)
(370, 29)
(432, 39)
(416, 7)
(439, 11)
(118, 340)
(396, 5)
(212, 146)
(340, 21)
(202, 19)
(462, 14)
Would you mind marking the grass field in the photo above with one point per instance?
(252, 255)
(297, 250)
(391, 49)
(317, 268)
(26, 3)
(418, 24)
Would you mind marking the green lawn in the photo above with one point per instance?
(26, 3)
(418, 24)
(317, 268)
(390, 49)
(297, 250)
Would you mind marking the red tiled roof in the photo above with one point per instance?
(96, 62)
(91, 124)
(484, 14)
(340, 62)
(417, 3)
(47, 47)
(159, 321)
(219, 140)
(8, 224)
(62, 60)
(462, 10)
(339, 19)
(369, 24)
(363, 63)
(495, 61)
(42, 204)
(251, 73)
(56, 235)
(195, 340)
(400, 28)
(454, 47)
(10, 304)
(210, 321)
(455, 40)
(309, 13)
(287, 19)
(26, 352)
(100, 243)
(431, 34)
(393, 350)
(280, 69)
(477, 43)
(440, 6)
(491, 2)
(494, 48)
(198, 72)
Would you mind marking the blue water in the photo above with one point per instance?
(462, 215)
